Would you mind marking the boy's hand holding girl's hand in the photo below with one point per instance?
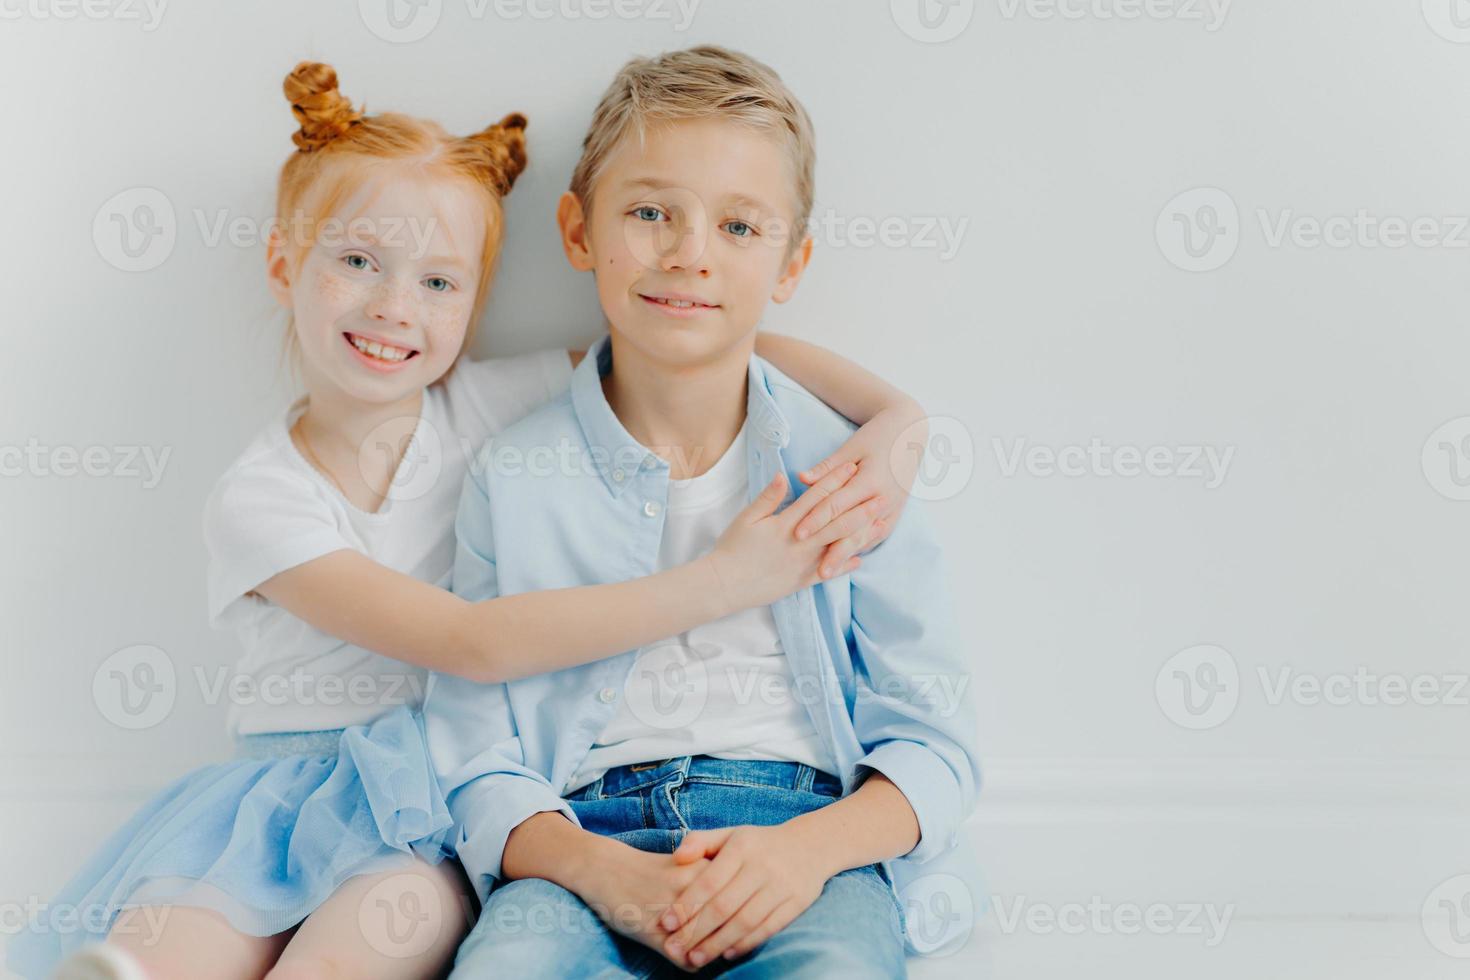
(851, 502)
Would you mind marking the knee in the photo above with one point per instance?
(811, 961)
(307, 968)
(530, 928)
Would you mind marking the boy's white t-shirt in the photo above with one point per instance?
(272, 510)
(723, 689)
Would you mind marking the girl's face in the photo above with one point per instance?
(382, 298)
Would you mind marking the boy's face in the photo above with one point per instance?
(689, 236)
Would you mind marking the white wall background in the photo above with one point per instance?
(1053, 139)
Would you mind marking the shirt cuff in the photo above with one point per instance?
(931, 789)
(486, 811)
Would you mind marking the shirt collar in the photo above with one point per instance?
(616, 455)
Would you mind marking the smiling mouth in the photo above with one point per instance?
(678, 304)
(386, 353)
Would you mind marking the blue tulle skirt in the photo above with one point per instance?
(263, 839)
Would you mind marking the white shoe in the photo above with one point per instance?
(100, 962)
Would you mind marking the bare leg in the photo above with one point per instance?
(180, 943)
(397, 925)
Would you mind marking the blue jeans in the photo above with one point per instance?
(532, 928)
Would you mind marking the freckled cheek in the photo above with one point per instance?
(446, 324)
(334, 294)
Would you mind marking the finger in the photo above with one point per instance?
(818, 492)
(881, 529)
(701, 843)
(765, 502)
(719, 910)
(823, 468)
(853, 564)
(741, 924)
(839, 552)
(848, 496)
(708, 883)
(781, 917)
(852, 521)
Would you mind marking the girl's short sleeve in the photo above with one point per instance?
(503, 390)
(261, 520)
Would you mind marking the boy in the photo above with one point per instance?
(733, 799)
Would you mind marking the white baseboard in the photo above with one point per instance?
(1302, 839)
(1299, 839)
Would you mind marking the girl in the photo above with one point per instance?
(331, 542)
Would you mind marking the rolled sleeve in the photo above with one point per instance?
(485, 812)
(478, 760)
(913, 712)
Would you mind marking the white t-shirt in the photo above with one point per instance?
(723, 689)
(272, 510)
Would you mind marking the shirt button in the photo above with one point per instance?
(651, 508)
(606, 695)
(618, 476)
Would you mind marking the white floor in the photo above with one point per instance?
(1310, 870)
(1252, 950)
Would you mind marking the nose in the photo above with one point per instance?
(686, 252)
(390, 304)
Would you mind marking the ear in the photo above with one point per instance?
(791, 275)
(277, 269)
(576, 239)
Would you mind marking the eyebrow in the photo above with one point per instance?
(654, 183)
(446, 260)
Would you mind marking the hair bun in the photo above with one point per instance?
(505, 142)
(323, 112)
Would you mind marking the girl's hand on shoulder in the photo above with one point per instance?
(759, 558)
(886, 454)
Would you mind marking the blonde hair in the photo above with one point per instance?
(697, 83)
(339, 149)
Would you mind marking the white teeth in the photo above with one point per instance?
(374, 349)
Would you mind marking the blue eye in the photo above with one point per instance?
(439, 284)
(353, 260)
(739, 229)
(648, 213)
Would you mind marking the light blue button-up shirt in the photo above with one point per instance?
(567, 497)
